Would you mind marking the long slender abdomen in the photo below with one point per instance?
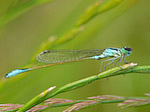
(16, 72)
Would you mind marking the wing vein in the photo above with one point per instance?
(59, 56)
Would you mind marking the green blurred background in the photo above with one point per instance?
(20, 39)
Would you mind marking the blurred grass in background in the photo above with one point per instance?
(121, 26)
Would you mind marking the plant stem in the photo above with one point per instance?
(36, 100)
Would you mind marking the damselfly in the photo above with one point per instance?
(54, 57)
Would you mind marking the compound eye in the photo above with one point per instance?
(128, 54)
(128, 49)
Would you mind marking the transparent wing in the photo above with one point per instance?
(61, 56)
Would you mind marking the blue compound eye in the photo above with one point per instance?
(127, 51)
(128, 54)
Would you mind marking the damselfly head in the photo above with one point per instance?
(126, 51)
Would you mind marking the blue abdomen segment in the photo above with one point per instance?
(16, 72)
(94, 57)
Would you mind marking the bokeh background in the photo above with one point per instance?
(121, 26)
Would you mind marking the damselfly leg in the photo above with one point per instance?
(111, 61)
